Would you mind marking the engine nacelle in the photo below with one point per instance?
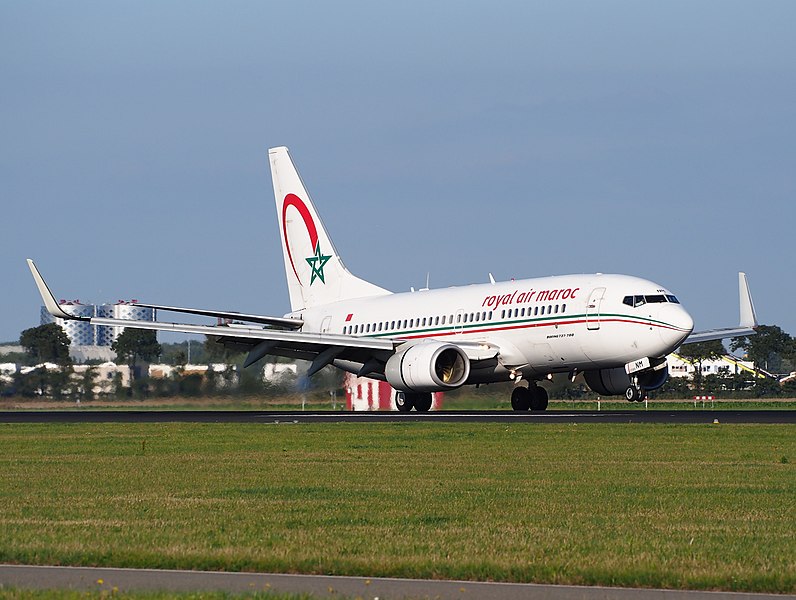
(427, 367)
(614, 382)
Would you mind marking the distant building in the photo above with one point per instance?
(93, 342)
(366, 394)
(727, 364)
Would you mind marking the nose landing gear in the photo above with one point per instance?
(633, 394)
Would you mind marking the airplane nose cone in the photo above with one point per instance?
(678, 326)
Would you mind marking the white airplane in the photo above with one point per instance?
(614, 329)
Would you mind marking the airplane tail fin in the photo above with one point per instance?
(315, 273)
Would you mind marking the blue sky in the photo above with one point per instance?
(521, 138)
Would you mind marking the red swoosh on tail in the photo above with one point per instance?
(298, 203)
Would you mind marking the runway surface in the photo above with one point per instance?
(322, 586)
(445, 416)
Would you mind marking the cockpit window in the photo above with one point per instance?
(636, 301)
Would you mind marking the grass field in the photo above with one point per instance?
(702, 506)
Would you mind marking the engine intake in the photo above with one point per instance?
(614, 382)
(427, 367)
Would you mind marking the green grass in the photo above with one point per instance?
(674, 506)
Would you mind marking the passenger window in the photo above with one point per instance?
(536, 311)
(443, 319)
(490, 315)
(542, 310)
(550, 310)
(471, 317)
(424, 321)
(503, 314)
(563, 308)
(522, 312)
(458, 318)
(556, 308)
(380, 324)
(477, 317)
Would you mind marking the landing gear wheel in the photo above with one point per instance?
(538, 398)
(403, 402)
(423, 402)
(633, 394)
(521, 398)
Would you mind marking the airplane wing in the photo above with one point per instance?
(272, 335)
(283, 322)
(747, 325)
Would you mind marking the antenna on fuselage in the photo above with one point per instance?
(428, 278)
(491, 279)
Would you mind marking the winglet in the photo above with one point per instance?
(748, 316)
(47, 296)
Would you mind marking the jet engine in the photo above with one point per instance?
(614, 382)
(427, 367)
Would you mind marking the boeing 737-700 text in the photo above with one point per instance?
(614, 329)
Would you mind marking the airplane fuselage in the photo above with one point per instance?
(542, 326)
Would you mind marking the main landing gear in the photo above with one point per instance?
(422, 402)
(533, 397)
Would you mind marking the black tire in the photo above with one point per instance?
(423, 402)
(538, 398)
(521, 398)
(403, 401)
(633, 394)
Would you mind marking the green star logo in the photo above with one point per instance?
(317, 263)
